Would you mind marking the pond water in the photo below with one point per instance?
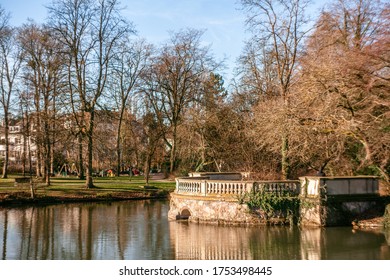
(140, 230)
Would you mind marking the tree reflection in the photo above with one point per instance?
(141, 230)
(5, 228)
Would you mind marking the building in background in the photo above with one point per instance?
(20, 146)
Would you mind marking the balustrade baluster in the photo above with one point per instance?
(226, 187)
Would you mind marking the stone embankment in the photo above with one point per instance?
(322, 201)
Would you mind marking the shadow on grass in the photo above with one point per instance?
(107, 187)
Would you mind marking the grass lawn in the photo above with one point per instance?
(123, 187)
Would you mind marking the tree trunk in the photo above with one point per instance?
(81, 166)
(30, 160)
(118, 146)
(32, 193)
(38, 161)
(47, 168)
(89, 181)
(6, 134)
(24, 152)
(286, 169)
(47, 155)
(147, 169)
(173, 150)
(118, 163)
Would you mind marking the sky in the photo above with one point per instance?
(222, 20)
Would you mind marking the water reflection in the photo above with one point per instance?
(140, 230)
(208, 242)
(86, 231)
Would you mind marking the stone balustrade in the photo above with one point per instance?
(189, 186)
(203, 186)
(228, 187)
(279, 187)
(324, 201)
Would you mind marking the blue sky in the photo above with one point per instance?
(222, 21)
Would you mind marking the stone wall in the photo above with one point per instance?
(337, 201)
(356, 185)
(211, 210)
(323, 201)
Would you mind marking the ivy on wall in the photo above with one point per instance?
(273, 203)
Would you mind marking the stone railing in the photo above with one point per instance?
(228, 187)
(279, 187)
(189, 185)
(356, 185)
(203, 186)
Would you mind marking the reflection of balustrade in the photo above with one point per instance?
(193, 242)
(206, 187)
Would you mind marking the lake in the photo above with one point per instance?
(140, 230)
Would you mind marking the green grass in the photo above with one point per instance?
(72, 186)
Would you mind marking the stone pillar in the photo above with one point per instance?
(310, 202)
(203, 188)
(177, 185)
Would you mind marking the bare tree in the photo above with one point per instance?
(175, 80)
(44, 63)
(345, 87)
(10, 61)
(198, 130)
(152, 135)
(257, 74)
(91, 32)
(24, 102)
(129, 63)
(279, 27)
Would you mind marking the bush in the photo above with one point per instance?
(272, 203)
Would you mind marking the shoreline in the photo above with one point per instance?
(23, 198)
